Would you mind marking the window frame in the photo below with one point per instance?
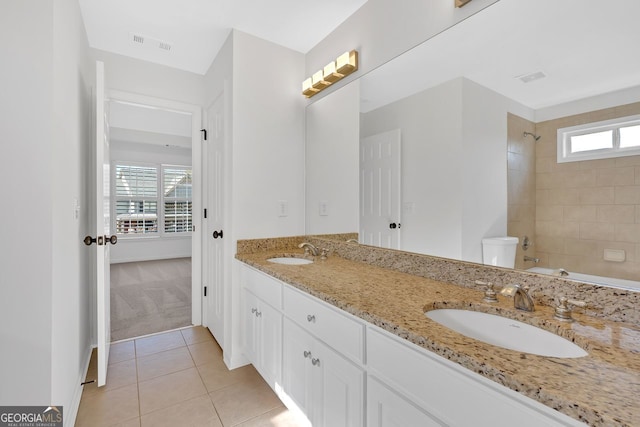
(564, 154)
(159, 199)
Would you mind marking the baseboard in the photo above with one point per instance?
(234, 362)
(71, 412)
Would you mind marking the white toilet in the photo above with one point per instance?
(499, 251)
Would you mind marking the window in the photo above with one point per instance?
(600, 140)
(141, 189)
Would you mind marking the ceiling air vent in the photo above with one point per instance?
(137, 38)
(149, 43)
(530, 77)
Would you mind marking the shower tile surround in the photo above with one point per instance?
(581, 208)
(392, 289)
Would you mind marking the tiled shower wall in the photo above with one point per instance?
(583, 208)
(521, 191)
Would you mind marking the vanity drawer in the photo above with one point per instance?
(329, 324)
(263, 286)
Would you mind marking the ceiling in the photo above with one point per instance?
(195, 30)
(584, 48)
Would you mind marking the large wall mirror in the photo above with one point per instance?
(475, 110)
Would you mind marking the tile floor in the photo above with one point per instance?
(176, 379)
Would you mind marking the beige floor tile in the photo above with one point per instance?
(205, 352)
(279, 417)
(122, 351)
(134, 422)
(166, 362)
(244, 400)
(108, 408)
(215, 374)
(119, 374)
(198, 412)
(196, 335)
(157, 343)
(167, 390)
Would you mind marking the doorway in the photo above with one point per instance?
(156, 195)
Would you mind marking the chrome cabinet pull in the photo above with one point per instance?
(311, 318)
(307, 354)
(315, 362)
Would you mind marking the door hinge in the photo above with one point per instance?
(205, 213)
(205, 291)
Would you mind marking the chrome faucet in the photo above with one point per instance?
(531, 259)
(308, 248)
(561, 272)
(521, 298)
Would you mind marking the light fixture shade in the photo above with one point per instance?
(307, 88)
(318, 80)
(347, 63)
(330, 73)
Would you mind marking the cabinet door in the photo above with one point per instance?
(269, 347)
(250, 308)
(338, 389)
(296, 366)
(387, 409)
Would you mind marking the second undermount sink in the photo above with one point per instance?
(290, 260)
(507, 333)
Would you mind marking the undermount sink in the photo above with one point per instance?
(507, 333)
(290, 260)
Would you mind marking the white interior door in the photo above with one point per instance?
(103, 226)
(380, 190)
(214, 300)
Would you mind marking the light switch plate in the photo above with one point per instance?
(323, 208)
(283, 208)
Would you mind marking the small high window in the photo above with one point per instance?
(600, 140)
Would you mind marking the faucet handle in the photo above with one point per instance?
(489, 293)
(563, 311)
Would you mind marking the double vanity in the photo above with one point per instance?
(367, 336)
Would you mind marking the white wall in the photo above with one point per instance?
(332, 162)
(454, 165)
(135, 76)
(46, 269)
(149, 248)
(381, 30)
(27, 216)
(268, 139)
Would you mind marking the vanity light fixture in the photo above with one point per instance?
(460, 3)
(336, 70)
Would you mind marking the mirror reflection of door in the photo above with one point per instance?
(380, 190)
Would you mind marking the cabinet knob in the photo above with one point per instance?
(307, 354)
(315, 362)
(311, 318)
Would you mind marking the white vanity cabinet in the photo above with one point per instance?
(317, 373)
(323, 384)
(262, 317)
(342, 371)
(404, 376)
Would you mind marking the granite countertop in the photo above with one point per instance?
(601, 389)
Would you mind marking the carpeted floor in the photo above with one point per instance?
(149, 297)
